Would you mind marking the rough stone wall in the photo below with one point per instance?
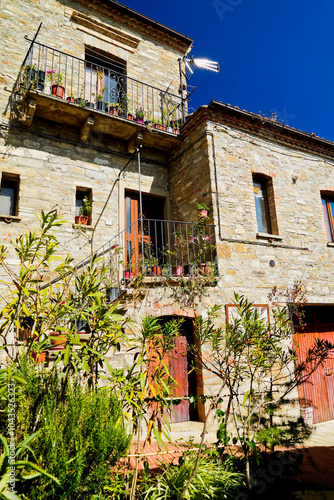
(190, 175)
(244, 263)
(150, 61)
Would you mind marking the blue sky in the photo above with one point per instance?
(274, 55)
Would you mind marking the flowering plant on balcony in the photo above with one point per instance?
(54, 77)
(201, 247)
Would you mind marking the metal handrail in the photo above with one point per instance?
(99, 87)
(165, 248)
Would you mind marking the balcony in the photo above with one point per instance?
(162, 251)
(80, 93)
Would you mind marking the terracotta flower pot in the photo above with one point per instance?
(40, 358)
(156, 270)
(81, 219)
(58, 90)
(130, 117)
(70, 99)
(59, 341)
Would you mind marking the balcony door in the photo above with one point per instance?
(142, 240)
(105, 77)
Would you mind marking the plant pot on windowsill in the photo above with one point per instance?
(89, 105)
(81, 219)
(130, 116)
(113, 110)
(70, 99)
(58, 90)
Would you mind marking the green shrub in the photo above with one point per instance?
(212, 481)
(81, 433)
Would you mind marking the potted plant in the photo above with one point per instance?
(202, 210)
(128, 107)
(114, 108)
(84, 212)
(56, 80)
(58, 340)
(140, 114)
(175, 253)
(71, 98)
(33, 78)
(100, 104)
(127, 274)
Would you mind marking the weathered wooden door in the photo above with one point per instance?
(319, 389)
(177, 363)
(131, 251)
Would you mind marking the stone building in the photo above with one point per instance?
(93, 107)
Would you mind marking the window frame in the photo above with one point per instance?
(86, 192)
(14, 180)
(328, 198)
(263, 181)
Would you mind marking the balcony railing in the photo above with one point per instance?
(161, 248)
(81, 82)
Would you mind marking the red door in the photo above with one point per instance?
(319, 389)
(177, 363)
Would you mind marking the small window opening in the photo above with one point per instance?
(9, 194)
(81, 206)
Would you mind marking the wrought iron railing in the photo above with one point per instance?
(95, 86)
(153, 247)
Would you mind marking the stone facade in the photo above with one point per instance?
(213, 160)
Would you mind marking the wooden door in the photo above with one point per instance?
(131, 251)
(177, 363)
(319, 389)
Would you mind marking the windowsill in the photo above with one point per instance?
(330, 244)
(267, 236)
(10, 218)
(83, 226)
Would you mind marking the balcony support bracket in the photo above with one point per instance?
(135, 140)
(27, 112)
(86, 128)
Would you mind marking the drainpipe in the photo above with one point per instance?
(140, 205)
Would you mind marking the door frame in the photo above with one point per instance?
(145, 189)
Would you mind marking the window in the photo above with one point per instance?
(265, 205)
(81, 194)
(328, 210)
(9, 194)
(104, 77)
